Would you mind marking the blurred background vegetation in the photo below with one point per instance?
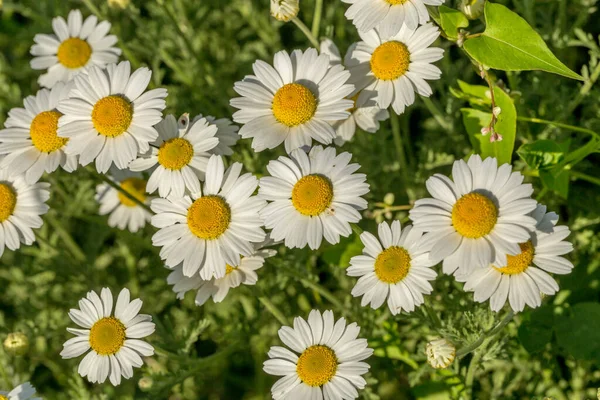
(198, 49)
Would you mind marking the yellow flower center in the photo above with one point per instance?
(43, 132)
(107, 336)
(312, 194)
(175, 153)
(229, 269)
(396, 2)
(112, 115)
(392, 264)
(390, 60)
(519, 263)
(3, 397)
(74, 53)
(294, 104)
(354, 99)
(474, 215)
(317, 365)
(135, 187)
(8, 201)
(209, 217)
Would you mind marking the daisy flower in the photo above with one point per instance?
(124, 212)
(479, 217)
(30, 141)
(108, 117)
(243, 273)
(396, 267)
(24, 391)
(440, 353)
(227, 133)
(75, 46)
(313, 196)
(293, 102)
(20, 208)
(526, 274)
(284, 10)
(365, 113)
(395, 67)
(210, 229)
(180, 155)
(329, 360)
(112, 339)
(388, 16)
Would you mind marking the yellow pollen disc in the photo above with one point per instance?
(112, 115)
(294, 104)
(135, 187)
(107, 336)
(43, 132)
(74, 53)
(229, 269)
(474, 215)
(2, 397)
(312, 194)
(209, 217)
(8, 201)
(392, 264)
(390, 61)
(316, 365)
(396, 2)
(519, 263)
(175, 153)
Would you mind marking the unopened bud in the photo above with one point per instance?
(118, 4)
(496, 111)
(16, 343)
(389, 199)
(496, 137)
(440, 353)
(472, 9)
(145, 383)
(486, 129)
(284, 10)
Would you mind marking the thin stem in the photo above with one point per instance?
(357, 229)
(471, 347)
(394, 208)
(118, 187)
(306, 32)
(273, 310)
(399, 148)
(66, 238)
(437, 113)
(185, 37)
(316, 24)
(469, 379)
(582, 176)
(559, 125)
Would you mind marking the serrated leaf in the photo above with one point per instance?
(510, 44)
(451, 20)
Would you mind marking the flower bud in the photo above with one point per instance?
(472, 9)
(284, 10)
(440, 353)
(496, 111)
(118, 4)
(16, 344)
(389, 199)
(145, 383)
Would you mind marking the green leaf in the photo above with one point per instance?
(451, 20)
(541, 154)
(557, 182)
(510, 44)
(579, 332)
(506, 125)
(536, 332)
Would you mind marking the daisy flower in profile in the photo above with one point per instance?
(440, 353)
(526, 274)
(242, 274)
(388, 16)
(396, 267)
(395, 67)
(124, 212)
(326, 360)
(284, 10)
(478, 218)
(365, 113)
(213, 227)
(180, 155)
(313, 196)
(24, 391)
(108, 116)
(30, 141)
(20, 208)
(295, 101)
(75, 46)
(112, 339)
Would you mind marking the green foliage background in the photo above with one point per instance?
(197, 50)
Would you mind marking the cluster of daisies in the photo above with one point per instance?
(211, 216)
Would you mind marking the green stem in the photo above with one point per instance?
(68, 240)
(357, 229)
(93, 9)
(471, 347)
(559, 125)
(469, 379)
(185, 37)
(307, 32)
(582, 176)
(118, 187)
(323, 292)
(273, 310)
(316, 24)
(437, 114)
(398, 144)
